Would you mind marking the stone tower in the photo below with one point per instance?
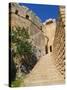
(49, 28)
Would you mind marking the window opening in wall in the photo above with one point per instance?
(50, 48)
(46, 49)
(27, 16)
(41, 27)
(16, 12)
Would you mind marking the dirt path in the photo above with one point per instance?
(44, 73)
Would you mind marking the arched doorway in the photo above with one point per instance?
(46, 49)
(50, 48)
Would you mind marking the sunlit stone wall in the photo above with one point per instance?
(59, 44)
(23, 17)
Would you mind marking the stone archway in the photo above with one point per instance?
(50, 48)
(46, 49)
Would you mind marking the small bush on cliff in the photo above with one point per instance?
(19, 39)
(23, 48)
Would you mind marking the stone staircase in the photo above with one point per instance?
(44, 73)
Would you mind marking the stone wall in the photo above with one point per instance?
(23, 11)
(49, 27)
(62, 14)
(32, 23)
(59, 46)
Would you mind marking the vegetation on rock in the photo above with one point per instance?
(22, 53)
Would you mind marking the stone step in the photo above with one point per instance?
(44, 72)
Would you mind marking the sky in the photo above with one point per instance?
(44, 12)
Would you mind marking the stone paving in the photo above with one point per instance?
(44, 73)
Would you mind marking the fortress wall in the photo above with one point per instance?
(23, 11)
(33, 26)
(62, 13)
(49, 27)
(59, 47)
